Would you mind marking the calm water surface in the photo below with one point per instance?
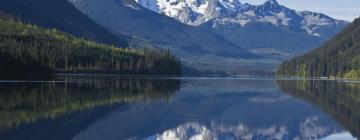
(120, 108)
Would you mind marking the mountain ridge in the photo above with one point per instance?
(189, 11)
(196, 47)
(245, 24)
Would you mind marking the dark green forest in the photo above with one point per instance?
(339, 57)
(29, 49)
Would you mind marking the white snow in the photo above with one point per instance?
(241, 22)
(150, 4)
(179, 8)
(315, 19)
(250, 13)
(196, 12)
(340, 136)
(270, 19)
(283, 18)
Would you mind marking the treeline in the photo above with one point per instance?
(28, 49)
(339, 57)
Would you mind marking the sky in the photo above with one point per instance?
(339, 9)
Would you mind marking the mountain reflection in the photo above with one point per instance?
(339, 99)
(218, 109)
(93, 108)
(27, 102)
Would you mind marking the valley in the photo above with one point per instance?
(219, 36)
(179, 70)
(205, 34)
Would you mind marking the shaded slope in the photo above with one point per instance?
(129, 18)
(274, 30)
(28, 49)
(62, 15)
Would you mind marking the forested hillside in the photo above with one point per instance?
(29, 49)
(199, 49)
(339, 57)
(62, 15)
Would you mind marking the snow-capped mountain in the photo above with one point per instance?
(216, 31)
(196, 12)
(274, 13)
(197, 48)
(193, 12)
(275, 30)
(269, 29)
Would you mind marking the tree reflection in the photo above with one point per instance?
(340, 99)
(28, 102)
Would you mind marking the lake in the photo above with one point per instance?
(166, 108)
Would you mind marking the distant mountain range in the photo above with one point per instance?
(269, 29)
(216, 35)
(196, 47)
(127, 17)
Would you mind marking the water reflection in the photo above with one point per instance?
(219, 109)
(339, 99)
(93, 108)
(26, 102)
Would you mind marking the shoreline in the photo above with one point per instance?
(52, 78)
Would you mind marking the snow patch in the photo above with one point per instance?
(150, 4)
(131, 6)
(223, 12)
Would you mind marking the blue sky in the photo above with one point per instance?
(339, 9)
